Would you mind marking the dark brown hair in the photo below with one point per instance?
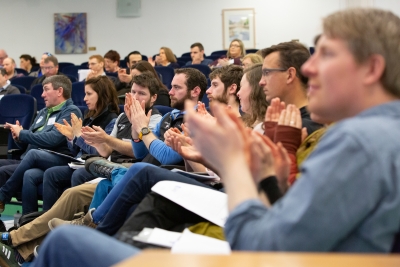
(113, 56)
(144, 66)
(291, 54)
(194, 78)
(147, 79)
(229, 75)
(107, 95)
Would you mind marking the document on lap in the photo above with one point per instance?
(210, 204)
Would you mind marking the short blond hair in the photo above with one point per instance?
(255, 58)
(369, 31)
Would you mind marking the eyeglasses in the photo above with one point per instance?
(47, 53)
(234, 45)
(47, 68)
(265, 72)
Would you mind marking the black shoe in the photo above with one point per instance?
(100, 167)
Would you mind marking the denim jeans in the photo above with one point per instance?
(133, 192)
(102, 210)
(81, 246)
(7, 168)
(57, 179)
(33, 159)
(33, 178)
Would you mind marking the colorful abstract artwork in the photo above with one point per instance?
(70, 33)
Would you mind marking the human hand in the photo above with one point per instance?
(223, 62)
(138, 117)
(274, 110)
(92, 74)
(290, 117)
(65, 129)
(201, 109)
(14, 128)
(123, 77)
(262, 160)
(281, 162)
(151, 61)
(183, 145)
(222, 142)
(94, 135)
(127, 107)
(76, 124)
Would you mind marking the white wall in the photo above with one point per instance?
(28, 24)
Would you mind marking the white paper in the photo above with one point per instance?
(158, 237)
(95, 181)
(76, 166)
(51, 121)
(199, 244)
(207, 203)
(9, 224)
(83, 74)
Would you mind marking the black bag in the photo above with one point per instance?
(27, 218)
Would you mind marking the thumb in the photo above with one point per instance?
(17, 122)
(149, 113)
(143, 104)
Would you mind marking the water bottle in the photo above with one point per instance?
(16, 218)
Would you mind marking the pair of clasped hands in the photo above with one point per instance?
(219, 141)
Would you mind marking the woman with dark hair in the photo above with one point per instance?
(101, 100)
(234, 55)
(139, 68)
(165, 58)
(27, 62)
(252, 98)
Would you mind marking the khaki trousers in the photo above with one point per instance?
(73, 200)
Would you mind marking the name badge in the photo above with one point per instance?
(51, 121)
(39, 120)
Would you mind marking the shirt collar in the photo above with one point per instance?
(56, 108)
(5, 86)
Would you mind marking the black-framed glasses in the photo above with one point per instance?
(265, 72)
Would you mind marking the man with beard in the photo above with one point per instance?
(78, 198)
(187, 83)
(225, 83)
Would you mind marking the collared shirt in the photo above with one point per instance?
(5, 86)
(51, 110)
(347, 198)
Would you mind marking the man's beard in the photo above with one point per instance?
(221, 99)
(180, 104)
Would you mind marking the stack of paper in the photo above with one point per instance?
(186, 242)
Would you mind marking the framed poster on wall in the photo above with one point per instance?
(239, 24)
(70, 33)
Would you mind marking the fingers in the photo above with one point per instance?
(149, 113)
(17, 123)
(268, 114)
(185, 129)
(97, 129)
(66, 123)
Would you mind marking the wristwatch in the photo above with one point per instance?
(144, 131)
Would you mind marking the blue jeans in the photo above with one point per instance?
(33, 178)
(7, 168)
(59, 178)
(81, 246)
(102, 210)
(33, 159)
(134, 191)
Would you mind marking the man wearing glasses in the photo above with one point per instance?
(282, 78)
(49, 68)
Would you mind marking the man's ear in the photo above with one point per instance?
(195, 93)
(232, 89)
(291, 75)
(153, 99)
(374, 68)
